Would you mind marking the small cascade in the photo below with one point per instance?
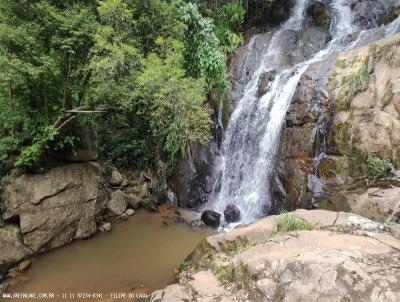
(251, 140)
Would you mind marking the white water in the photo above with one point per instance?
(251, 140)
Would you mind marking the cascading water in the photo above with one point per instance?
(251, 140)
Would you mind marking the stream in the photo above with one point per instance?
(138, 255)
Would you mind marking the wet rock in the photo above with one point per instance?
(367, 123)
(105, 227)
(116, 178)
(370, 13)
(320, 14)
(24, 265)
(279, 12)
(231, 213)
(134, 201)
(172, 199)
(211, 218)
(189, 179)
(130, 212)
(187, 216)
(12, 248)
(117, 204)
(392, 15)
(55, 207)
(265, 81)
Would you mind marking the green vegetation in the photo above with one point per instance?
(183, 265)
(144, 68)
(368, 169)
(357, 81)
(229, 21)
(388, 220)
(225, 273)
(288, 222)
(341, 63)
(237, 246)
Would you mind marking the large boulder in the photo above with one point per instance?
(116, 178)
(211, 218)
(231, 213)
(344, 258)
(53, 208)
(118, 203)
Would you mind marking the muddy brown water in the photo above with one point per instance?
(141, 252)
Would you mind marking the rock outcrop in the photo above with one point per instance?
(341, 133)
(53, 208)
(344, 258)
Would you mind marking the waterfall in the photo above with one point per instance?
(251, 140)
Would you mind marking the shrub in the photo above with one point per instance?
(231, 16)
(229, 21)
(370, 168)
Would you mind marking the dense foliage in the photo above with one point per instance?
(147, 64)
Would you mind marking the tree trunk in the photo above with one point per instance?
(66, 101)
(11, 103)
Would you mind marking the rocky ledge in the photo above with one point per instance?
(328, 256)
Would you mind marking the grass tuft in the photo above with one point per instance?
(288, 222)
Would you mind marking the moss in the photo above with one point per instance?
(288, 222)
(341, 138)
(342, 102)
(226, 112)
(239, 245)
(330, 168)
(341, 63)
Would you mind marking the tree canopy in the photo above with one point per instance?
(149, 64)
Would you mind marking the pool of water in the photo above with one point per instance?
(139, 253)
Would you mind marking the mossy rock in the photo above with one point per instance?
(340, 138)
(331, 167)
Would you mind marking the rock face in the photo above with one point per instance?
(345, 258)
(341, 133)
(211, 218)
(53, 208)
(192, 180)
(370, 13)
